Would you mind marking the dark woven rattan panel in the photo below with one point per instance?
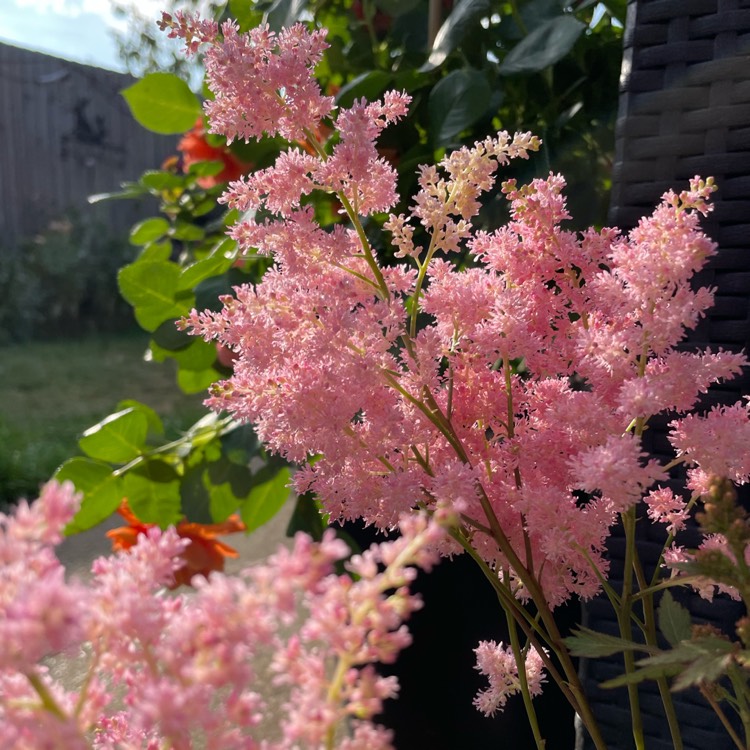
(684, 111)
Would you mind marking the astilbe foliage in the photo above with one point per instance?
(521, 403)
(170, 671)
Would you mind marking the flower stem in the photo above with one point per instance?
(48, 701)
(625, 626)
(523, 679)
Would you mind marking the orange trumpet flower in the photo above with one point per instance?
(204, 553)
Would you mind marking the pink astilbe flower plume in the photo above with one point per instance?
(261, 80)
(331, 361)
(498, 664)
(184, 668)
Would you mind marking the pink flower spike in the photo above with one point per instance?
(498, 664)
(666, 507)
(188, 26)
(716, 442)
(263, 83)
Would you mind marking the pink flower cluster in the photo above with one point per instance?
(521, 401)
(499, 665)
(166, 671)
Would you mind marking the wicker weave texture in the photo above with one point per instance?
(684, 111)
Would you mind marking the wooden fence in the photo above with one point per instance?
(65, 134)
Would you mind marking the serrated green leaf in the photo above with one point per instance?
(153, 492)
(544, 46)
(651, 672)
(589, 643)
(456, 102)
(690, 661)
(266, 498)
(152, 288)
(149, 230)
(163, 103)
(705, 669)
(102, 491)
(466, 15)
(674, 619)
(118, 438)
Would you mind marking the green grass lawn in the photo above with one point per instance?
(50, 392)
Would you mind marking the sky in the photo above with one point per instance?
(78, 30)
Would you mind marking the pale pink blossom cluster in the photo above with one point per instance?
(521, 401)
(181, 671)
(498, 664)
(261, 71)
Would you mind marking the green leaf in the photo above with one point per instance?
(244, 12)
(205, 168)
(151, 287)
(188, 232)
(307, 516)
(268, 495)
(456, 102)
(284, 13)
(118, 438)
(148, 231)
(209, 427)
(198, 356)
(155, 425)
(465, 16)
(163, 103)
(368, 85)
(153, 492)
(167, 336)
(222, 503)
(195, 381)
(155, 252)
(129, 191)
(674, 619)
(192, 275)
(589, 643)
(617, 9)
(693, 662)
(102, 491)
(194, 497)
(237, 475)
(650, 672)
(544, 46)
(159, 180)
